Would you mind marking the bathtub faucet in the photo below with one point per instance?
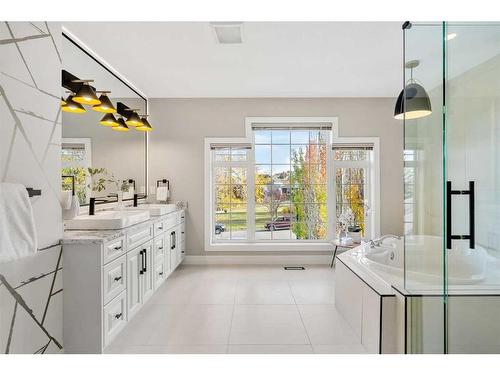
(377, 242)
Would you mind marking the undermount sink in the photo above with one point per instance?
(157, 209)
(107, 220)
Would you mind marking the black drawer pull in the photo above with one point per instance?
(118, 316)
(160, 273)
(118, 278)
(160, 248)
(142, 262)
(117, 248)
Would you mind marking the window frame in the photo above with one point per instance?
(290, 245)
(372, 168)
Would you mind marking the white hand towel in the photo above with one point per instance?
(66, 199)
(73, 210)
(17, 223)
(162, 193)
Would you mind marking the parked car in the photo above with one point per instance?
(281, 222)
(219, 228)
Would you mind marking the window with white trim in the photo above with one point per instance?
(353, 190)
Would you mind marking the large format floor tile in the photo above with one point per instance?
(267, 324)
(240, 309)
(325, 326)
(270, 292)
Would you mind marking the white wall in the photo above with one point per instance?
(180, 126)
(30, 136)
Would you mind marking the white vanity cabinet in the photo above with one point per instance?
(109, 275)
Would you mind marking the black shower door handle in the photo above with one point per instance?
(449, 235)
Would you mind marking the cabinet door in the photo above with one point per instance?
(148, 275)
(134, 281)
(173, 252)
(167, 252)
(178, 244)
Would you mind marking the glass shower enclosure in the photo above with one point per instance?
(452, 187)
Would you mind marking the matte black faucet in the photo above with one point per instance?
(92, 204)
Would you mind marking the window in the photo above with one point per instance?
(285, 184)
(291, 184)
(230, 169)
(76, 158)
(409, 173)
(353, 167)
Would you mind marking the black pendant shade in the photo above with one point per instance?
(133, 120)
(72, 106)
(106, 106)
(86, 95)
(108, 120)
(122, 127)
(416, 104)
(146, 126)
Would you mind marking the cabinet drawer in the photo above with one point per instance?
(137, 237)
(159, 228)
(113, 249)
(160, 272)
(159, 247)
(170, 220)
(115, 317)
(114, 278)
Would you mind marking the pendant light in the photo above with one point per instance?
(121, 127)
(63, 102)
(86, 94)
(72, 106)
(133, 119)
(108, 120)
(413, 102)
(105, 106)
(146, 126)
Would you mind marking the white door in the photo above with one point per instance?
(134, 282)
(148, 274)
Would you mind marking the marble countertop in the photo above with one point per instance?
(100, 236)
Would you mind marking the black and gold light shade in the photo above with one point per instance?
(86, 94)
(121, 127)
(108, 120)
(133, 119)
(146, 126)
(105, 106)
(71, 106)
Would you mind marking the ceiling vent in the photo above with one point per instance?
(228, 32)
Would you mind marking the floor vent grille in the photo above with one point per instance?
(296, 268)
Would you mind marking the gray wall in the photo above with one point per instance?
(30, 154)
(180, 126)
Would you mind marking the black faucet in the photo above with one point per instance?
(92, 204)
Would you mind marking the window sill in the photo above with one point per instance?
(270, 246)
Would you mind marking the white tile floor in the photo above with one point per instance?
(241, 309)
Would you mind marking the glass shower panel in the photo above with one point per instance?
(423, 165)
(473, 160)
(423, 193)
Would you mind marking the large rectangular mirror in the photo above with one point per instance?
(88, 144)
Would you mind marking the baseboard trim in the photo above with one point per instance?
(289, 260)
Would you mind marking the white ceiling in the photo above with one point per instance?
(276, 59)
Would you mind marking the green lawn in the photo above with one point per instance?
(238, 219)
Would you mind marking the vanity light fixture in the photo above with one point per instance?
(105, 106)
(108, 120)
(86, 94)
(146, 126)
(133, 119)
(413, 102)
(72, 106)
(121, 127)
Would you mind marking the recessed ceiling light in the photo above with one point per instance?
(228, 32)
(451, 36)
